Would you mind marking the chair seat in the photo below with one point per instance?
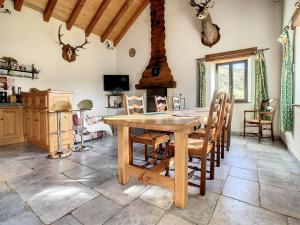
(149, 138)
(256, 121)
(200, 133)
(195, 146)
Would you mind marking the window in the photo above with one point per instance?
(233, 78)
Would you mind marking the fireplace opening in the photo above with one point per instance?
(151, 93)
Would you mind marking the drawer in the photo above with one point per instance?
(28, 101)
(41, 101)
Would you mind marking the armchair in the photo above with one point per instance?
(262, 119)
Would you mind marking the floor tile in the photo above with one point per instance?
(122, 194)
(170, 219)
(292, 221)
(4, 188)
(82, 156)
(27, 218)
(27, 179)
(97, 178)
(199, 209)
(67, 220)
(79, 172)
(281, 201)
(233, 212)
(138, 212)
(11, 170)
(241, 162)
(11, 205)
(215, 185)
(281, 179)
(222, 172)
(158, 196)
(242, 190)
(52, 200)
(244, 174)
(272, 165)
(97, 211)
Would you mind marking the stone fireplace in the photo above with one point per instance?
(157, 77)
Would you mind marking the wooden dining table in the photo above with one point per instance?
(181, 123)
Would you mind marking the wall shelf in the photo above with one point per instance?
(24, 71)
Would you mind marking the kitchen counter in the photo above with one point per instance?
(10, 104)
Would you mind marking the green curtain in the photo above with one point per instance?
(202, 83)
(286, 116)
(261, 80)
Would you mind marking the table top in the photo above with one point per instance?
(168, 121)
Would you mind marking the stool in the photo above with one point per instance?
(58, 108)
(83, 106)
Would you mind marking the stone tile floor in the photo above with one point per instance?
(256, 184)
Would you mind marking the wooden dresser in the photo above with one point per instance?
(40, 123)
(11, 124)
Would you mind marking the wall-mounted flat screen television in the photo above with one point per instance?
(116, 83)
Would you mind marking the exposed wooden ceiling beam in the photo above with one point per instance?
(115, 20)
(75, 13)
(130, 22)
(1, 2)
(49, 9)
(97, 17)
(18, 5)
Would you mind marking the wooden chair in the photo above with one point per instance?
(202, 148)
(226, 133)
(221, 99)
(176, 103)
(264, 119)
(161, 104)
(135, 105)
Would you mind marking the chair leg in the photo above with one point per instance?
(218, 153)
(272, 133)
(259, 134)
(203, 174)
(223, 145)
(131, 153)
(146, 153)
(228, 140)
(154, 154)
(244, 133)
(212, 165)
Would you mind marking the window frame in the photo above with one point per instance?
(246, 91)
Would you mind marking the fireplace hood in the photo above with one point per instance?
(158, 73)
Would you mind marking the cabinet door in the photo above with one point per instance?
(11, 123)
(35, 131)
(43, 127)
(27, 123)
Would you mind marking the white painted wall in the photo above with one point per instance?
(25, 36)
(243, 23)
(293, 139)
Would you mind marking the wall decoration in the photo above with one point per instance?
(69, 53)
(210, 31)
(109, 45)
(132, 52)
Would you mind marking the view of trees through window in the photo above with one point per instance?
(232, 79)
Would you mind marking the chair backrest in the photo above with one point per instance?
(161, 104)
(269, 105)
(229, 113)
(134, 104)
(176, 103)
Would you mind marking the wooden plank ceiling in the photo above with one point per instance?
(109, 19)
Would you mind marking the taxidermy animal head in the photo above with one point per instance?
(69, 53)
(210, 31)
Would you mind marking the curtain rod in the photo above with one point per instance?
(263, 49)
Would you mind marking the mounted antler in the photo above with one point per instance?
(59, 36)
(210, 33)
(69, 52)
(82, 46)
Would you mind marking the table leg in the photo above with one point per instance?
(123, 154)
(181, 169)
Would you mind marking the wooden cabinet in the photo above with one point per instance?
(40, 120)
(11, 125)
